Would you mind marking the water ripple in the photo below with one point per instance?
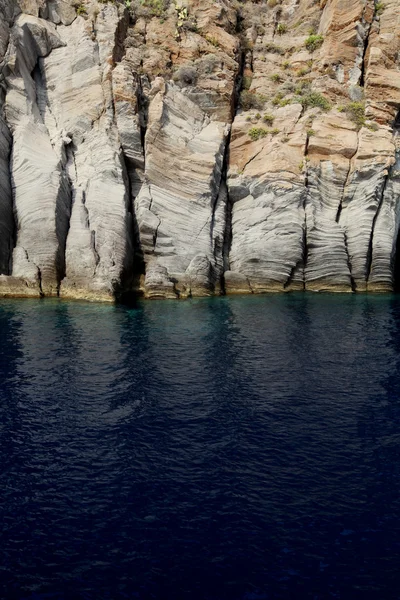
(217, 449)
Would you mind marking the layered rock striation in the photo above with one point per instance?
(194, 148)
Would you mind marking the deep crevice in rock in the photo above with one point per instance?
(346, 247)
(6, 261)
(227, 241)
(12, 241)
(365, 49)
(305, 238)
(135, 266)
(62, 218)
(133, 253)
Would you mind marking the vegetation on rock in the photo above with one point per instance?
(313, 42)
(256, 133)
(314, 100)
(250, 100)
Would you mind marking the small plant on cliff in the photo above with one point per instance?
(184, 21)
(247, 82)
(213, 41)
(310, 132)
(149, 8)
(268, 119)
(206, 64)
(274, 49)
(356, 113)
(250, 100)
(81, 10)
(379, 8)
(276, 77)
(315, 100)
(186, 75)
(277, 99)
(313, 42)
(282, 28)
(373, 126)
(256, 133)
(303, 87)
(303, 71)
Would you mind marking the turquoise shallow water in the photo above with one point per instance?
(214, 449)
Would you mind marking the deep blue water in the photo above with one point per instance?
(223, 449)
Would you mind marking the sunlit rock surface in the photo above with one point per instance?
(198, 148)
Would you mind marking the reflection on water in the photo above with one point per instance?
(223, 449)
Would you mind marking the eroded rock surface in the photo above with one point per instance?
(198, 147)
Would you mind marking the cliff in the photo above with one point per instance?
(198, 147)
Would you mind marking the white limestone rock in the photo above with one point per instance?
(98, 247)
(327, 264)
(363, 197)
(66, 148)
(385, 234)
(267, 236)
(267, 192)
(40, 188)
(180, 213)
(41, 195)
(158, 283)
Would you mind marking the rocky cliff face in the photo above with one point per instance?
(195, 147)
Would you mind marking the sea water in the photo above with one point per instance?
(241, 448)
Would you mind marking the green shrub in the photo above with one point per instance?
(276, 77)
(310, 132)
(268, 119)
(276, 99)
(313, 42)
(148, 8)
(287, 87)
(186, 75)
(213, 41)
(247, 82)
(314, 100)
(303, 87)
(356, 113)
(274, 49)
(250, 100)
(81, 10)
(379, 8)
(256, 133)
(302, 72)
(286, 65)
(274, 131)
(281, 29)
